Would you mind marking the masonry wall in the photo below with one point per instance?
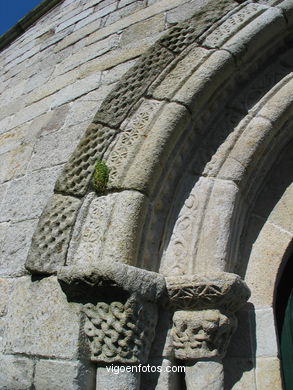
(53, 80)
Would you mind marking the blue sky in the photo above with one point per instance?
(13, 10)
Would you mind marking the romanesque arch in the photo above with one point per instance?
(190, 135)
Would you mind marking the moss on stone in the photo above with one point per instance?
(100, 177)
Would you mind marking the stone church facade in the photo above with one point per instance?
(146, 195)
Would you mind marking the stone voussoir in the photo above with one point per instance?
(51, 238)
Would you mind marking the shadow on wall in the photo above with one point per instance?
(240, 358)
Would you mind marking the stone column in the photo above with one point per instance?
(203, 324)
(120, 306)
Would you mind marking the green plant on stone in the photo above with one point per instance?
(100, 177)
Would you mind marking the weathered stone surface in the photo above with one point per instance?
(208, 375)
(117, 380)
(145, 163)
(265, 259)
(217, 290)
(75, 280)
(185, 33)
(16, 244)
(51, 238)
(44, 322)
(268, 374)
(5, 290)
(16, 373)
(244, 156)
(278, 106)
(239, 374)
(175, 75)
(212, 75)
(266, 345)
(217, 242)
(128, 142)
(78, 171)
(14, 162)
(60, 375)
(255, 38)
(143, 29)
(120, 332)
(230, 25)
(282, 213)
(123, 212)
(27, 196)
(73, 20)
(135, 82)
(242, 345)
(56, 148)
(203, 334)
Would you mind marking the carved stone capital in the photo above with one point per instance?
(225, 291)
(120, 331)
(201, 334)
(119, 302)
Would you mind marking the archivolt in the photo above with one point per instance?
(158, 131)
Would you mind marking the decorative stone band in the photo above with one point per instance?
(204, 319)
(120, 309)
(221, 290)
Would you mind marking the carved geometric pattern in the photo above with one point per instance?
(135, 130)
(201, 334)
(232, 24)
(135, 82)
(180, 36)
(223, 290)
(77, 172)
(51, 238)
(120, 332)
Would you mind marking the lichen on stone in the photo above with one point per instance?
(100, 177)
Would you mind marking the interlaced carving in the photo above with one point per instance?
(51, 238)
(201, 334)
(205, 321)
(120, 332)
(78, 170)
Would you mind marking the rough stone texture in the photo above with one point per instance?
(60, 375)
(120, 332)
(16, 373)
(40, 96)
(186, 32)
(78, 170)
(268, 375)
(16, 244)
(5, 290)
(203, 334)
(117, 380)
(135, 82)
(124, 212)
(266, 345)
(44, 323)
(206, 375)
(221, 290)
(145, 166)
(51, 238)
(26, 197)
(174, 76)
(266, 254)
(239, 374)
